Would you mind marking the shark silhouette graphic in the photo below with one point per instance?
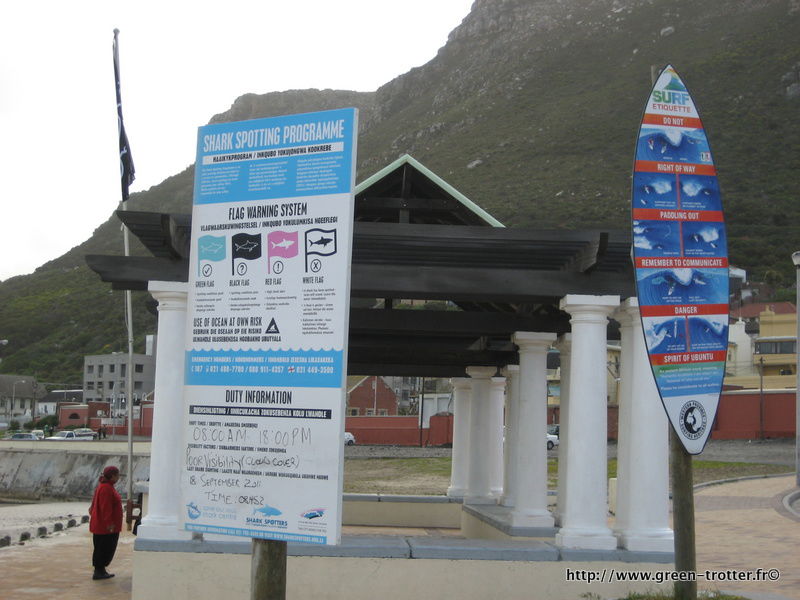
(323, 241)
(246, 247)
(283, 244)
(267, 511)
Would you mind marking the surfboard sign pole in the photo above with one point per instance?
(681, 267)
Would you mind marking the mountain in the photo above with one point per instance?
(531, 109)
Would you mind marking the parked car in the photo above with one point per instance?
(554, 429)
(24, 436)
(552, 441)
(349, 439)
(85, 432)
(63, 436)
(39, 433)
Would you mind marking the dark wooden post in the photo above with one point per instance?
(683, 517)
(268, 570)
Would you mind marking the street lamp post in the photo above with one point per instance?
(761, 398)
(796, 261)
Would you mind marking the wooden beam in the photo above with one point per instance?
(453, 323)
(417, 356)
(405, 370)
(481, 284)
(118, 269)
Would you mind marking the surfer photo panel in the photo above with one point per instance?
(681, 259)
(659, 287)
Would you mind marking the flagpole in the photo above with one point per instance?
(129, 381)
(126, 177)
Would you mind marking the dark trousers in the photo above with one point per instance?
(104, 547)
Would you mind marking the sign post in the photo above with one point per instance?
(268, 570)
(266, 347)
(683, 517)
(681, 264)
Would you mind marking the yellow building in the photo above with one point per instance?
(774, 354)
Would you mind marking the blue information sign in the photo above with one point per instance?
(266, 340)
(681, 259)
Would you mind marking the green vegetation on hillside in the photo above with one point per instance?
(52, 318)
(531, 110)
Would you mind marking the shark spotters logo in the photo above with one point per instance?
(192, 511)
(263, 517)
(314, 513)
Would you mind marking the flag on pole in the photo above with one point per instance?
(127, 172)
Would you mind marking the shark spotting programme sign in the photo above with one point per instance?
(266, 344)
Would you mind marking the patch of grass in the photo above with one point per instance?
(397, 475)
(432, 475)
(713, 470)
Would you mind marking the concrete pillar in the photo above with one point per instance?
(161, 520)
(459, 469)
(530, 489)
(510, 450)
(564, 346)
(584, 520)
(497, 397)
(642, 522)
(479, 487)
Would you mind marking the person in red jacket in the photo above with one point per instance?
(105, 522)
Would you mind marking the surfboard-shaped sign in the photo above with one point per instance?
(681, 259)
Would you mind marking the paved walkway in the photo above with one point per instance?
(740, 526)
(61, 567)
(744, 526)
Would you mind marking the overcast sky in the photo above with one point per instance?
(181, 63)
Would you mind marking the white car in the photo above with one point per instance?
(63, 436)
(86, 433)
(24, 436)
(552, 441)
(349, 439)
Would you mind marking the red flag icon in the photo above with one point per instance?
(281, 244)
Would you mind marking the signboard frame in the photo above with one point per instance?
(267, 327)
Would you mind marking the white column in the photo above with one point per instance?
(530, 488)
(510, 450)
(624, 416)
(479, 480)
(161, 520)
(564, 345)
(496, 404)
(459, 473)
(584, 522)
(643, 447)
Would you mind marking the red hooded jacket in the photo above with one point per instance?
(106, 509)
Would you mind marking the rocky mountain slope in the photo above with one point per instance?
(530, 109)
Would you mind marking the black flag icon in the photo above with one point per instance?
(246, 246)
(127, 172)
